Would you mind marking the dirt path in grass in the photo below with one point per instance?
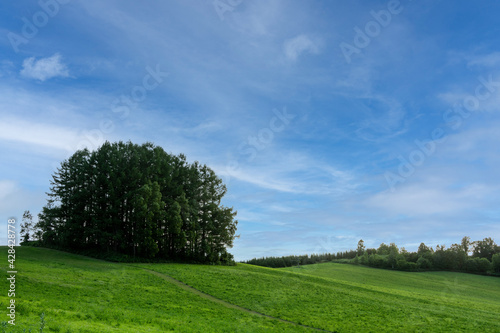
(220, 301)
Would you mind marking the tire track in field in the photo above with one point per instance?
(204, 295)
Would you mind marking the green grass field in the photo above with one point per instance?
(79, 294)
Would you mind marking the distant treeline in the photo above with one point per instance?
(289, 261)
(473, 257)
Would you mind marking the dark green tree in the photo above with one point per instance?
(483, 265)
(456, 256)
(393, 253)
(424, 263)
(26, 226)
(361, 248)
(495, 263)
(422, 249)
(139, 201)
(383, 249)
(484, 249)
(465, 244)
(364, 258)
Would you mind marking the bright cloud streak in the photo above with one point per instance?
(45, 135)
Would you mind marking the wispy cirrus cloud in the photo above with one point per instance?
(6, 67)
(296, 46)
(45, 68)
(295, 173)
(486, 60)
(7, 187)
(46, 135)
(425, 200)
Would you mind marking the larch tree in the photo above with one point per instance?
(139, 201)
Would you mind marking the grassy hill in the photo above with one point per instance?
(79, 294)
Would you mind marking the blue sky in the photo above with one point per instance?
(329, 121)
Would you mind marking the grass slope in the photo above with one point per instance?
(79, 294)
(347, 298)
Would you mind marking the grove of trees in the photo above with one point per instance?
(140, 202)
(482, 256)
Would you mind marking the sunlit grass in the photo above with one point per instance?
(350, 298)
(79, 294)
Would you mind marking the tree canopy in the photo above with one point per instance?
(139, 201)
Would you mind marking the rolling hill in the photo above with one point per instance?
(80, 294)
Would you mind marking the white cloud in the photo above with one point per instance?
(263, 180)
(433, 197)
(7, 187)
(384, 119)
(6, 67)
(281, 208)
(294, 173)
(294, 47)
(489, 104)
(250, 216)
(45, 68)
(46, 135)
(488, 60)
(476, 143)
(258, 18)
